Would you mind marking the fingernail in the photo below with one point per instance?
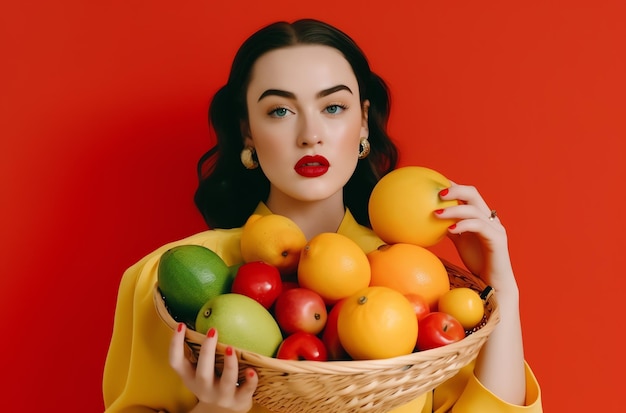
(180, 327)
(211, 333)
(443, 192)
(452, 226)
(229, 351)
(438, 211)
(251, 373)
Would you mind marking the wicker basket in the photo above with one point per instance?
(290, 386)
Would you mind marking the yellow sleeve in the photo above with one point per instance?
(463, 393)
(363, 236)
(137, 375)
(476, 397)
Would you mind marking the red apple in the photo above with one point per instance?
(330, 336)
(259, 281)
(438, 329)
(420, 306)
(302, 346)
(300, 309)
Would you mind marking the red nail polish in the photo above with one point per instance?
(229, 351)
(452, 226)
(438, 211)
(251, 373)
(180, 327)
(211, 333)
(443, 192)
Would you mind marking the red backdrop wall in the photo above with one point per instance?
(103, 117)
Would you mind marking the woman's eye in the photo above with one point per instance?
(334, 109)
(279, 112)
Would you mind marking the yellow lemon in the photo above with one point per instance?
(274, 239)
(464, 304)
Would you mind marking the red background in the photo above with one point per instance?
(103, 117)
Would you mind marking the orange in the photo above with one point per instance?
(377, 323)
(409, 269)
(333, 266)
(464, 304)
(274, 239)
(403, 203)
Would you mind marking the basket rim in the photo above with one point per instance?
(341, 366)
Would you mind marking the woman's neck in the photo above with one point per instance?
(313, 217)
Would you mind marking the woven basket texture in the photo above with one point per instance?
(372, 386)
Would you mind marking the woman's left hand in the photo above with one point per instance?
(482, 243)
(479, 236)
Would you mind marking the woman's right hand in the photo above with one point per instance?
(215, 394)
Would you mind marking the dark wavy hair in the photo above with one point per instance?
(227, 192)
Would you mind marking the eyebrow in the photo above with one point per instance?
(291, 95)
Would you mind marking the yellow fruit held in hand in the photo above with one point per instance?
(333, 266)
(409, 269)
(403, 203)
(464, 304)
(274, 239)
(377, 323)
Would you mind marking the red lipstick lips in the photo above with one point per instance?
(312, 166)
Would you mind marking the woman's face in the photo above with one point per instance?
(305, 121)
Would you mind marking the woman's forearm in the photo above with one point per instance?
(500, 363)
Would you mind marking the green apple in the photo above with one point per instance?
(241, 322)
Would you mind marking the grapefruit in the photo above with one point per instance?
(409, 269)
(402, 206)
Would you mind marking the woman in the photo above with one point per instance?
(307, 118)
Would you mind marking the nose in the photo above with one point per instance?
(310, 131)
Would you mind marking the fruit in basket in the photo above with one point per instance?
(402, 204)
(377, 323)
(300, 309)
(334, 266)
(302, 346)
(274, 239)
(188, 276)
(420, 305)
(241, 322)
(259, 281)
(330, 336)
(409, 269)
(464, 304)
(438, 329)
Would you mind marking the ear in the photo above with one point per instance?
(365, 130)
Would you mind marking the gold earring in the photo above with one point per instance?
(364, 148)
(246, 158)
